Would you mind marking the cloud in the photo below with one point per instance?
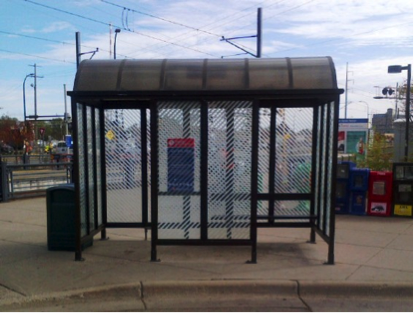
(55, 27)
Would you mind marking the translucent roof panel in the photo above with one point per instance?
(205, 74)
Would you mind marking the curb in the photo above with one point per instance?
(144, 294)
(219, 288)
(355, 289)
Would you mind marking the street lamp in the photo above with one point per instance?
(116, 34)
(392, 69)
(24, 94)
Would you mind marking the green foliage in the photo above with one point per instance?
(379, 154)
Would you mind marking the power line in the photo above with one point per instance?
(200, 29)
(51, 40)
(341, 38)
(161, 18)
(36, 56)
(107, 24)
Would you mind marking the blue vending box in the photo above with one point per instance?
(359, 178)
(342, 196)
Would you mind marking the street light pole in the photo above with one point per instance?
(24, 94)
(398, 69)
(116, 34)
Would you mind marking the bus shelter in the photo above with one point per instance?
(205, 151)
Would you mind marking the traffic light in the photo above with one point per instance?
(387, 91)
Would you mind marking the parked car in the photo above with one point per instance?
(6, 149)
(61, 148)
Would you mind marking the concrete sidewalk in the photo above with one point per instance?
(374, 254)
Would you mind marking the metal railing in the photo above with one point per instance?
(28, 180)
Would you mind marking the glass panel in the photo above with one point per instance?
(178, 170)
(292, 208)
(98, 165)
(229, 169)
(148, 112)
(293, 150)
(323, 166)
(82, 170)
(331, 142)
(403, 172)
(342, 171)
(264, 151)
(263, 209)
(318, 165)
(378, 188)
(91, 166)
(123, 165)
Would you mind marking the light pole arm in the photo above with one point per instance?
(24, 95)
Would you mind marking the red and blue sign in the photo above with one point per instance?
(180, 164)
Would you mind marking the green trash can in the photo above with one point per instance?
(61, 225)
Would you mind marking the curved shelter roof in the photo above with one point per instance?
(184, 75)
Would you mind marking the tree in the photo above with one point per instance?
(401, 94)
(13, 132)
(379, 154)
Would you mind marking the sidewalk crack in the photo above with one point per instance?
(142, 296)
(300, 297)
(13, 290)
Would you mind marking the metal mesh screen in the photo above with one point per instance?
(123, 165)
(229, 170)
(82, 177)
(179, 170)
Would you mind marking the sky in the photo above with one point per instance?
(363, 37)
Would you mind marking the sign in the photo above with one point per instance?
(352, 136)
(41, 131)
(180, 164)
(403, 209)
(110, 135)
(69, 142)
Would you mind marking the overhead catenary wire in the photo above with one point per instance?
(197, 29)
(107, 24)
(36, 56)
(53, 41)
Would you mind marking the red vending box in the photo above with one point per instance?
(380, 193)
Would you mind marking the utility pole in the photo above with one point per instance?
(35, 97)
(346, 91)
(65, 120)
(78, 50)
(258, 36)
(259, 33)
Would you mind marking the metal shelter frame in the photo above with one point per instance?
(213, 152)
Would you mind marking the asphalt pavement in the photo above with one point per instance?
(373, 269)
